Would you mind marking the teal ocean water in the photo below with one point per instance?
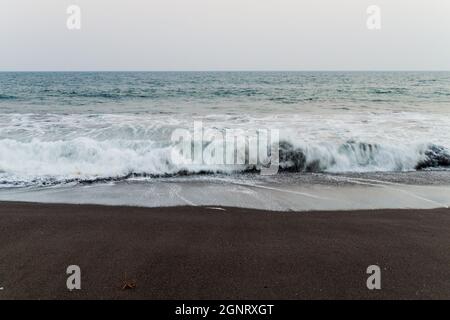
(83, 127)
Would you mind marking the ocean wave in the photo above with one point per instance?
(85, 159)
(355, 156)
(7, 97)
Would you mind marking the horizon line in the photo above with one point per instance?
(237, 70)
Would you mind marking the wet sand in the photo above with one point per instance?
(227, 253)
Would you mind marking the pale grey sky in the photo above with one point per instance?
(225, 35)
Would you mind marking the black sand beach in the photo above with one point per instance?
(206, 253)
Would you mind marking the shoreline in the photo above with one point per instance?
(310, 192)
(221, 208)
(226, 253)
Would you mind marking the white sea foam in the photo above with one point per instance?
(50, 148)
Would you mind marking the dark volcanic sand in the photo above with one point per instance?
(201, 253)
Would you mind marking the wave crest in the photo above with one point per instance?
(39, 162)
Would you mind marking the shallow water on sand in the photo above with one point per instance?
(300, 192)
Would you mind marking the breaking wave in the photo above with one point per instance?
(84, 159)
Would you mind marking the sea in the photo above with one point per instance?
(107, 138)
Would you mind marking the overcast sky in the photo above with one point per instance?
(225, 35)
